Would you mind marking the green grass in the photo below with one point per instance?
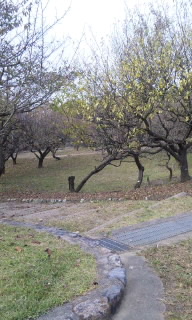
(174, 265)
(25, 176)
(31, 282)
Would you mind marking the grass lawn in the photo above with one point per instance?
(174, 265)
(31, 280)
(25, 176)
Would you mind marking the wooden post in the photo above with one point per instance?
(71, 181)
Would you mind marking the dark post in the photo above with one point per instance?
(71, 180)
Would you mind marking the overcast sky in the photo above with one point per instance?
(86, 19)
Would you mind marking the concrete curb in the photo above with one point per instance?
(98, 304)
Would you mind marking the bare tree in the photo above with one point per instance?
(15, 143)
(28, 76)
(43, 131)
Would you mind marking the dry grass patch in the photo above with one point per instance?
(83, 217)
(104, 212)
(163, 209)
(174, 265)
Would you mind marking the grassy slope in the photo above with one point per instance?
(107, 216)
(83, 217)
(164, 209)
(31, 282)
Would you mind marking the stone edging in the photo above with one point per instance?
(40, 200)
(100, 303)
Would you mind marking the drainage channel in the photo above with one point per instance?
(127, 239)
(113, 245)
(154, 233)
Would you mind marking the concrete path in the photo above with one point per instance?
(143, 299)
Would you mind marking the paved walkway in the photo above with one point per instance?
(143, 299)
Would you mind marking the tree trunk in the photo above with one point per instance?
(71, 181)
(169, 168)
(14, 158)
(2, 161)
(40, 162)
(184, 165)
(41, 156)
(96, 170)
(55, 157)
(140, 173)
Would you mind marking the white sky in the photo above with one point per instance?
(90, 18)
(99, 15)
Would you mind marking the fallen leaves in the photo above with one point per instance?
(19, 249)
(49, 252)
(36, 242)
(153, 192)
(78, 262)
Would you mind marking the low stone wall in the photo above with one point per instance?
(102, 302)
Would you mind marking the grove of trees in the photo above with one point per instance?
(138, 99)
(133, 100)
